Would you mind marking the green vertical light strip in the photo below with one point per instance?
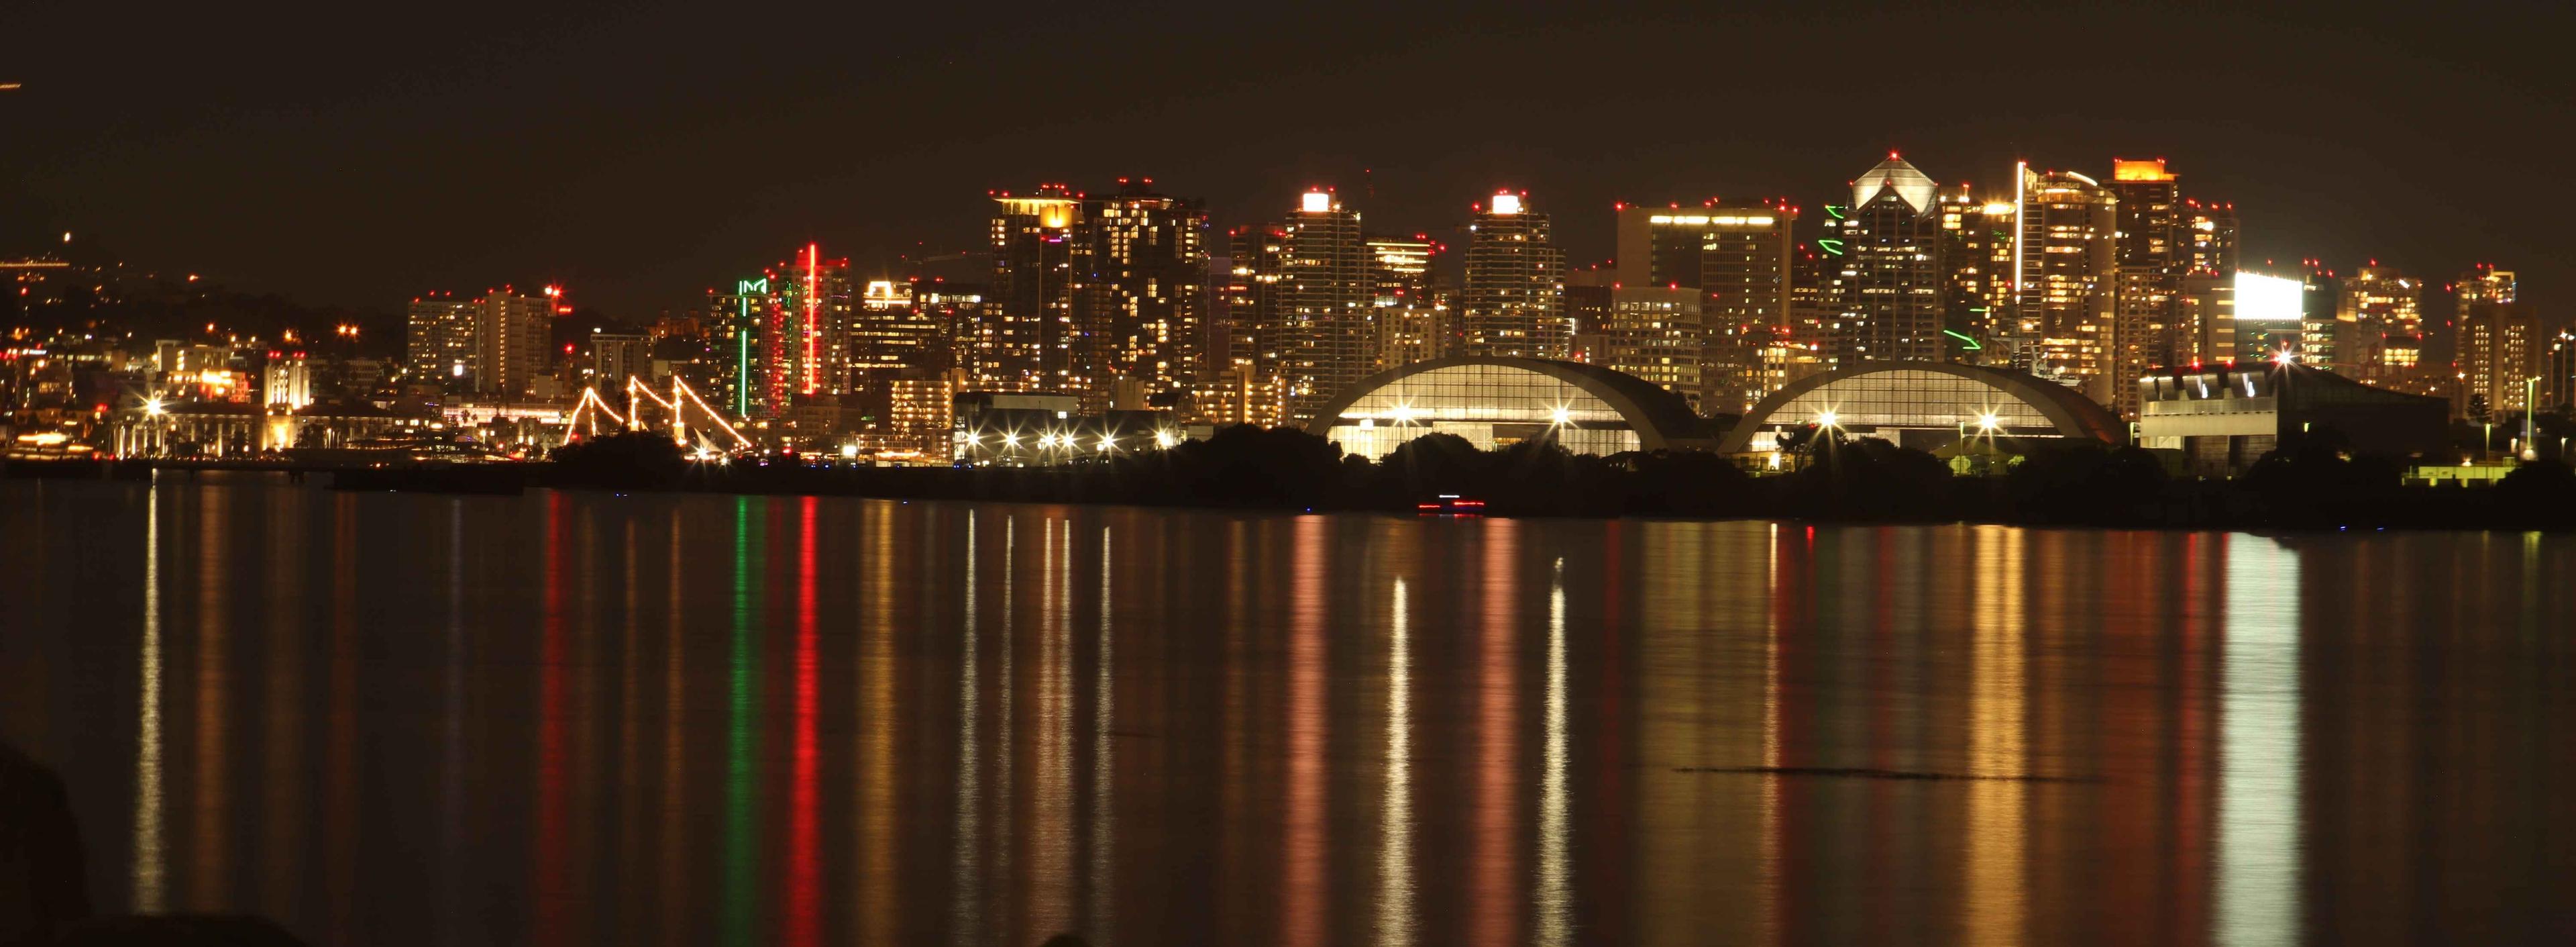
(742, 366)
(742, 824)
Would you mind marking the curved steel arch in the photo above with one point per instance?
(1663, 420)
(2072, 413)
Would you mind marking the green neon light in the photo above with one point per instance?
(1831, 247)
(1966, 343)
(742, 816)
(1836, 210)
(1977, 309)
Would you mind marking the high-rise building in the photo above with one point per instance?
(1977, 268)
(1738, 256)
(2149, 256)
(2066, 252)
(889, 334)
(1416, 330)
(1400, 269)
(1251, 387)
(1657, 333)
(439, 338)
(783, 335)
(2327, 333)
(1324, 298)
(618, 356)
(955, 312)
(1888, 295)
(512, 341)
(2383, 306)
(1514, 304)
(1040, 262)
(1142, 310)
(2500, 345)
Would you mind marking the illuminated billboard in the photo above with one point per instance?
(2261, 298)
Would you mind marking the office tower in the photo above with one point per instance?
(1324, 297)
(512, 341)
(1588, 294)
(1409, 332)
(618, 356)
(2149, 261)
(1513, 304)
(1658, 333)
(1888, 293)
(2326, 332)
(1251, 385)
(2500, 345)
(1143, 304)
(2066, 252)
(1039, 264)
(1737, 255)
(2383, 307)
(287, 380)
(2209, 238)
(783, 335)
(439, 338)
(2205, 320)
(2558, 377)
(1976, 270)
(1400, 269)
(954, 311)
(891, 334)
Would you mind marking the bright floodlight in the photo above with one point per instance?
(1506, 202)
(1012, 440)
(1316, 202)
(1403, 414)
(1559, 417)
(1163, 439)
(152, 406)
(1825, 418)
(1986, 422)
(2283, 357)
(1107, 442)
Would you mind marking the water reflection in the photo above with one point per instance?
(578, 718)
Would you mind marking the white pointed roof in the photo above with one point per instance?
(1911, 185)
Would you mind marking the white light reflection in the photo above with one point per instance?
(965, 909)
(1555, 886)
(1104, 815)
(151, 893)
(2258, 748)
(1395, 860)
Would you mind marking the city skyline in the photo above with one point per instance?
(634, 217)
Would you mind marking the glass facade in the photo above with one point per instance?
(1489, 405)
(1883, 402)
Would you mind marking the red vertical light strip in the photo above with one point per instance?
(553, 873)
(804, 875)
(813, 304)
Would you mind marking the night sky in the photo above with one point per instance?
(640, 155)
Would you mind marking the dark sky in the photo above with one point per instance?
(638, 154)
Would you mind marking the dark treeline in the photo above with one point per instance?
(2312, 485)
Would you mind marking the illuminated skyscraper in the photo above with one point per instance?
(1251, 386)
(1325, 298)
(439, 338)
(2066, 251)
(512, 341)
(783, 335)
(1658, 333)
(2382, 305)
(891, 334)
(1888, 297)
(2150, 262)
(1143, 306)
(2500, 344)
(1027, 341)
(1400, 269)
(1514, 299)
(2327, 333)
(1976, 270)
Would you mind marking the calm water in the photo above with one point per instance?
(582, 718)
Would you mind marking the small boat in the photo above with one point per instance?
(1451, 504)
